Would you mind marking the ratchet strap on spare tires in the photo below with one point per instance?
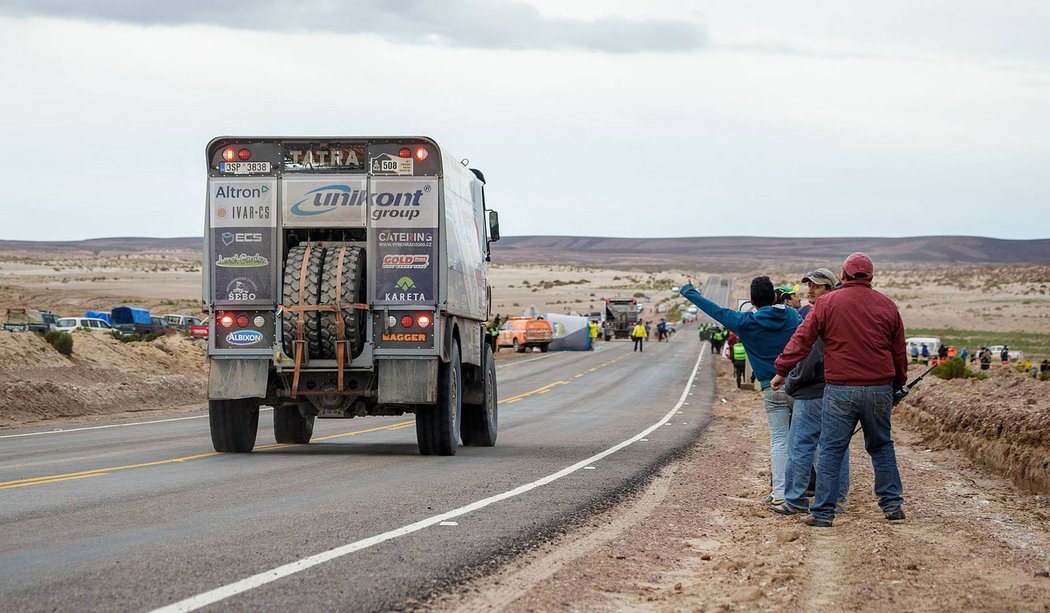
(337, 308)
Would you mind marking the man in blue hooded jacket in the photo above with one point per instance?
(765, 332)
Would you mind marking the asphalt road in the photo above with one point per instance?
(139, 516)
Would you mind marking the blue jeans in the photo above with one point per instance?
(804, 437)
(778, 414)
(844, 406)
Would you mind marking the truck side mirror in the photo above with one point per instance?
(493, 226)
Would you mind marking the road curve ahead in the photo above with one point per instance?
(144, 516)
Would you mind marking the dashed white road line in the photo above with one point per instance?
(249, 583)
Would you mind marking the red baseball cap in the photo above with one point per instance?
(858, 263)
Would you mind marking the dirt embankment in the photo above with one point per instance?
(1002, 422)
(102, 377)
(698, 539)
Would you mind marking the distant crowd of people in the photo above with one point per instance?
(823, 368)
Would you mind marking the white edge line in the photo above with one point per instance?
(249, 583)
(137, 423)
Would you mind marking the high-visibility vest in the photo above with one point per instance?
(639, 331)
(739, 353)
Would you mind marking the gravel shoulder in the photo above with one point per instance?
(697, 539)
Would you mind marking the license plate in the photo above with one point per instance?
(244, 168)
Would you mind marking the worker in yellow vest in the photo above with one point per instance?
(739, 361)
(638, 334)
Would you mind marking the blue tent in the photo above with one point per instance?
(104, 316)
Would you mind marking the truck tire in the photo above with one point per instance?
(234, 424)
(480, 421)
(352, 292)
(544, 347)
(311, 295)
(290, 427)
(517, 347)
(437, 426)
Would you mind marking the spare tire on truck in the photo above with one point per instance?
(343, 282)
(295, 281)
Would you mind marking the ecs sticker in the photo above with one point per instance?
(244, 338)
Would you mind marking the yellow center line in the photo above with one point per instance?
(44, 480)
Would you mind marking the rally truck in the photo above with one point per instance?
(346, 277)
(621, 314)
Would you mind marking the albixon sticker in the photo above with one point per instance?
(244, 338)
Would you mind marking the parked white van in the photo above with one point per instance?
(68, 324)
(932, 344)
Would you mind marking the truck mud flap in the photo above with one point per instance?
(407, 381)
(233, 379)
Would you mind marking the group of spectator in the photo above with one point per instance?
(823, 368)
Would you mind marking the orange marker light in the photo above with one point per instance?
(229, 154)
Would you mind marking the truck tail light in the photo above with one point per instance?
(407, 321)
(245, 154)
(421, 153)
(226, 320)
(423, 320)
(229, 154)
(405, 152)
(242, 321)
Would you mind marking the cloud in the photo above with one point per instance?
(488, 24)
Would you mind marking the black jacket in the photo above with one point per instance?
(806, 381)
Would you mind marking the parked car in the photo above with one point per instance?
(132, 320)
(199, 330)
(523, 333)
(92, 324)
(182, 322)
(1016, 355)
(28, 320)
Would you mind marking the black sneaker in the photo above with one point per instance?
(895, 515)
(786, 509)
(810, 520)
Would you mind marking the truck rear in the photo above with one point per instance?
(347, 277)
(621, 314)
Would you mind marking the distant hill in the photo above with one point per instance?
(109, 245)
(731, 253)
(725, 253)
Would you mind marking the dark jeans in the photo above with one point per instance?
(844, 406)
(804, 435)
(638, 343)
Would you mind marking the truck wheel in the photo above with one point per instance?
(543, 348)
(352, 292)
(517, 347)
(437, 426)
(311, 295)
(480, 420)
(234, 424)
(289, 426)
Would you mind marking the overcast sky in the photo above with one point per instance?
(591, 117)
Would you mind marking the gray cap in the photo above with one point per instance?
(821, 276)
